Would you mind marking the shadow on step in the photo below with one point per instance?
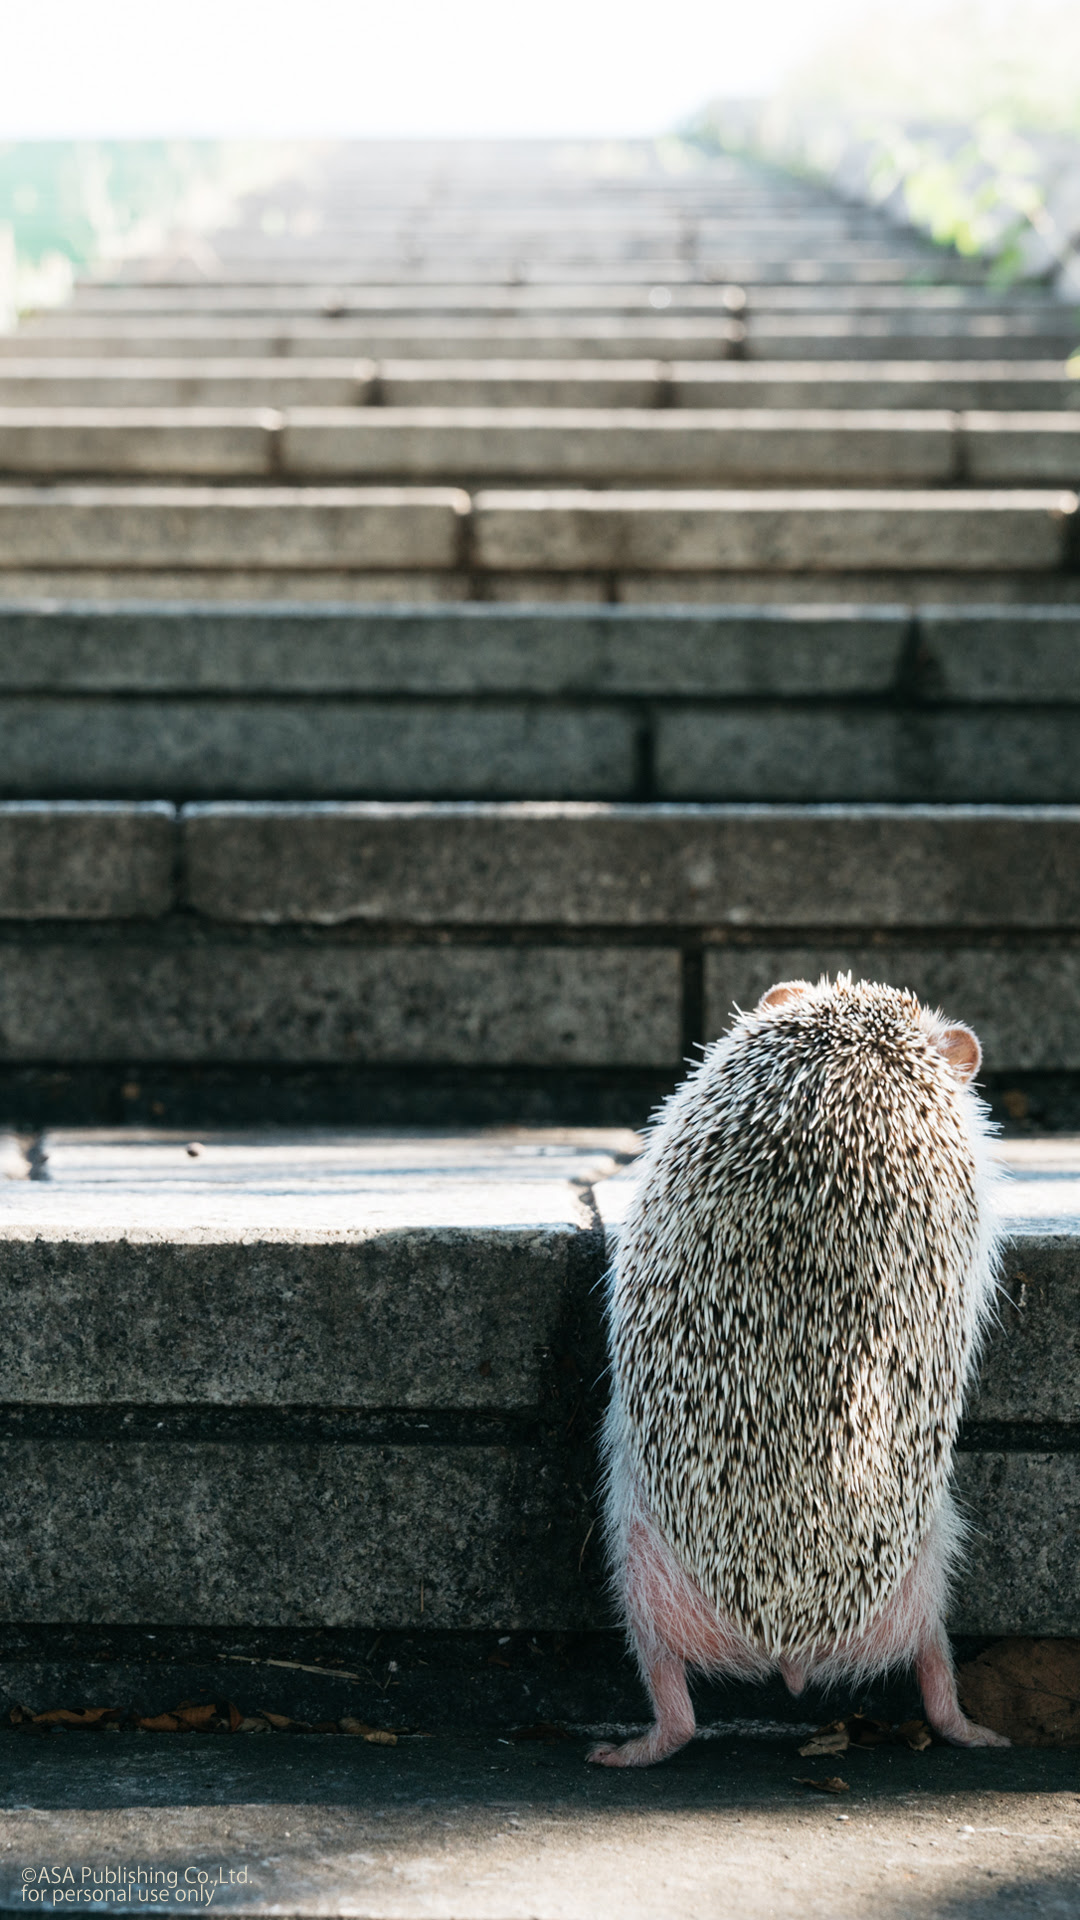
(205, 1097)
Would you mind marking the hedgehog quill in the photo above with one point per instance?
(793, 1317)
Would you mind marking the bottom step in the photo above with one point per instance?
(349, 1381)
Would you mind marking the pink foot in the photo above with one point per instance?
(645, 1751)
(672, 1728)
(937, 1684)
(965, 1733)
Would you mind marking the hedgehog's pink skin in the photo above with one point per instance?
(673, 1626)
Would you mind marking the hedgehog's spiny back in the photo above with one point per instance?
(791, 1330)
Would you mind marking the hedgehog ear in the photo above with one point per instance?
(960, 1048)
(785, 990)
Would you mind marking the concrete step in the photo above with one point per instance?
(933, 267)
(900, 704)
(561, 337)
(1009, 386)
(565, 936)
(229, 527)
(474, 1821)
(943, 334)
(402, 297)
(936, 335)
(405, 297)
(547, 444)
(348, 1380)
(1015, 387)
(197, 382)
(654, 532)
(527, 533)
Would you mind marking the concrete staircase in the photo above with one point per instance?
(462, 628)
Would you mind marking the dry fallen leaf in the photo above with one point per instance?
(832, 1784)
(278, 1720)
(375, 1736)
(195, 1716)
(915, 1734)
(831, 1739)
(1029, 1689)
(159, 1723)
(864, 1732)
(236, 1718)
(63, 1717)
(254, 1723)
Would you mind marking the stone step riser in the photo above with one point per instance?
(901, 706)
(554, 937)
(382, 590)
(547, 445)
(420, 1451)
(920, 655)
(354, 529)
(280, 383)
(608, 297)
(519, 750)
(796, 270)
(938, 337)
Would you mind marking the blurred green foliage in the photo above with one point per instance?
(79, 198)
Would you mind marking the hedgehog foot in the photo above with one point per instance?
(973, 1735)
(937, 1684)
(672, 1728)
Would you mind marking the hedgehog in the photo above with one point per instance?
(794, 1312)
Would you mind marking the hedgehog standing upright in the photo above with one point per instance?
(793, 1317)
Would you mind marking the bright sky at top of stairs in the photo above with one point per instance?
(277, 68)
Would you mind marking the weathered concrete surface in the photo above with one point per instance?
(759, 651)
(520, 383)
(1022, 1560)
(969, 532)
(380, 1270)
(958, 385)
(546, 442)
(93, 861)
(552, 443)
(577, 864)
(199, 442)
(201, 749)
(231, 527)
(482, 1005)
(883, 586)
(1002, 654)
(328, 1270)
(1020, 448)
(538, 337)
(333, 1534)
(277, 1340)
(491, 1829)
(337, 584)
(283, 381)
(122, 382)
(818, 752)
(1046, 335)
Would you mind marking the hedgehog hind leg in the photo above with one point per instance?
(671, 1626)
(937, 1684)
(673, 1724)
(655, 1617)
